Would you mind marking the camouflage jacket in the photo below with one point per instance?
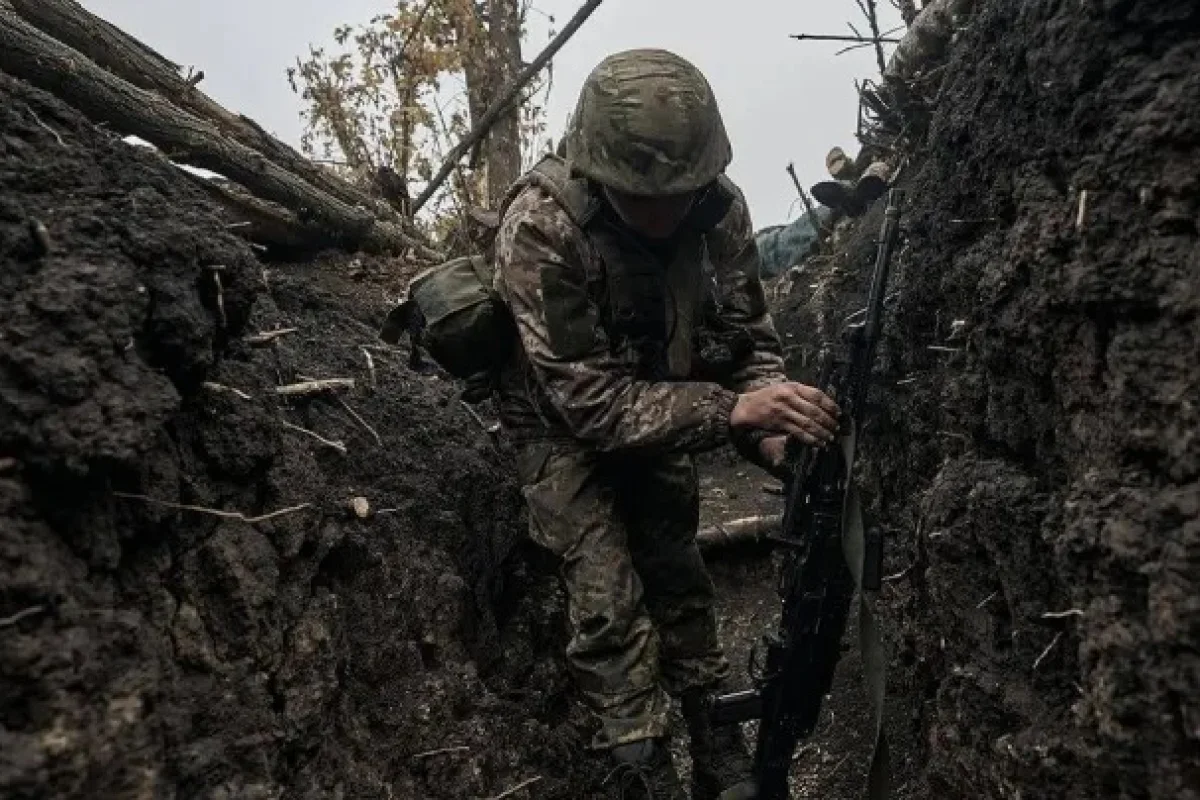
(583, 292)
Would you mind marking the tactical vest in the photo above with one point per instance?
(651, 308)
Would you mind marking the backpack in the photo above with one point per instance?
(454, 314)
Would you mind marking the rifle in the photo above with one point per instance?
(826, 557)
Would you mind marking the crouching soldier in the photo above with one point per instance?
(631, 272)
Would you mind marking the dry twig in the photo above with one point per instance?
(490, 429)
(986, 600)
(370, 368)
(1070, 612)
(462, 748)
(213, 512)
(517, 788)
(361, 421)
(315, 386)
(217, 387)
(339, 446)
(266, 337)
(820, 37)
(216, 273)
(1037, 663)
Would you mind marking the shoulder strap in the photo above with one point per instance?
(553, 175)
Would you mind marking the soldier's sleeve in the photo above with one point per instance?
(743, 303)
(541, 274)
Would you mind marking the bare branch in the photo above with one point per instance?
(820, 37)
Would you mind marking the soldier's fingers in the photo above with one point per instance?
(809, 426)
(813, 412)
(814, 395)
(797, 432)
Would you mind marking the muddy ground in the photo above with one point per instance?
(189, 607)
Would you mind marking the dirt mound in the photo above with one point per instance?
(1034, 450)
(155, 644)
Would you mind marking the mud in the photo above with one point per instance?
(152, 651)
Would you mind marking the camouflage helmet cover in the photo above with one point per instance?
(647, 124)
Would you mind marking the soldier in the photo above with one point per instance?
(631, 272)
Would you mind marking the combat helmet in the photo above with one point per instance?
(647, 124)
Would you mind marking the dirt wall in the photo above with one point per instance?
(1033, 450)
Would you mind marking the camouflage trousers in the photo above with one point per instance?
(640, 614)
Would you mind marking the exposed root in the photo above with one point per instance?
(213, 512)
(8, 622)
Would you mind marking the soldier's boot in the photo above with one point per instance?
(644, 771)
(721, 765)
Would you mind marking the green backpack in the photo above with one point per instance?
(453, 312)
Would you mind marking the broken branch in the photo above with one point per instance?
(819, 37)
(315, 387)
(503, 101)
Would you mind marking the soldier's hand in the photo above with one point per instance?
(788, 408)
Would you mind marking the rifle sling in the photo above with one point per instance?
(870, 640)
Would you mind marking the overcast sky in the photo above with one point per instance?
(782, 100)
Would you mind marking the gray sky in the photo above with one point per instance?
(782, 100)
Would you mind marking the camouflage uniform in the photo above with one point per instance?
(631, 358)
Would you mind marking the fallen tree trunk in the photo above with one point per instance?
(260, 221)
(28, 53)
(121, 54)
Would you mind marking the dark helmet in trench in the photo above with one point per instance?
(647, 124)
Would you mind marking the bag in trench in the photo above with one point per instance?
(453, 312)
